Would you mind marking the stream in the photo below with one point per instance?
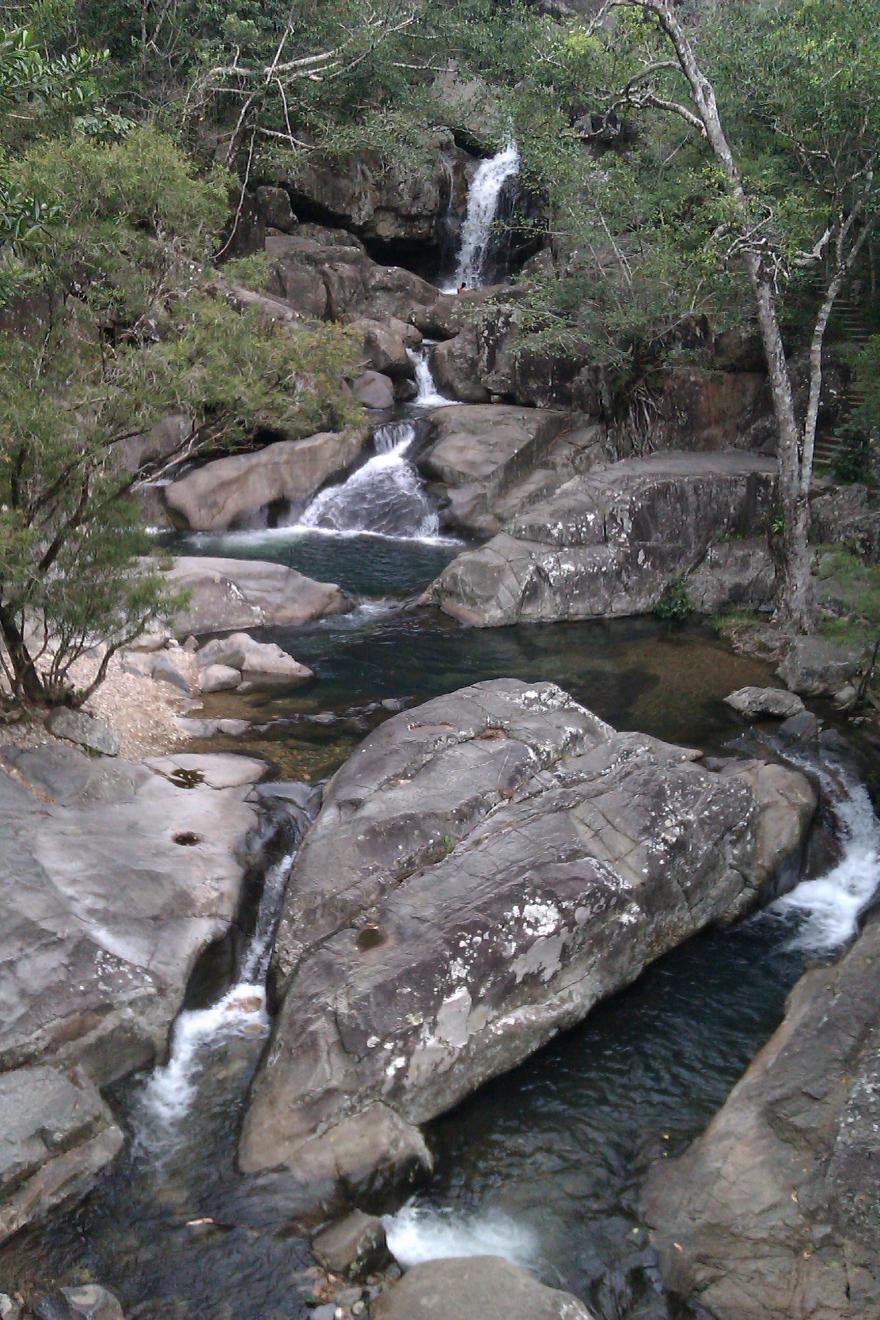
(542, 1165)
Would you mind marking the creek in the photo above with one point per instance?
(545, 1163)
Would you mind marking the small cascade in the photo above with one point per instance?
(428, 395)
(384, 497)
(828, 908)
(419, 1233)
(482, 209)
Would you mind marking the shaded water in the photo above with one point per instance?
(543, 1164)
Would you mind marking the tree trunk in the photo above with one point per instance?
(29, 686)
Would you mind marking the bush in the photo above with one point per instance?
(675, 605)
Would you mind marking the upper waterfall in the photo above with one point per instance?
(482, 207)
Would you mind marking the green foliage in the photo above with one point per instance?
(849, 594)
(675, 605)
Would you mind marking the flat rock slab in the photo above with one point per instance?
(609, 543)
(773, 1212)
(474, 1288)
(56, 1134)
(230, 594)
(485, 868)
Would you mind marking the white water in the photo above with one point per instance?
(384, 496)
(169, 1091)
(482, 206)
(828, 908)
(428, 395)
(417, 1234)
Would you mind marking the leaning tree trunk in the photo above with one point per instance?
(27, 684)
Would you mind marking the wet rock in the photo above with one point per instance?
(374, 390)
(228, 594)
(252, 659)
(485, 868)
(219, 678)
(474, 1288)
(801, 728)
(815, 666)
(385, 345)
(787, 804)
(84, 730)
(353, 1247)
(608, 543)
(772, 1213)
(755, 702)
(87, 1302)
(453, 368)
(164, 670)
(115, 878)
(56, 1135)
(218, 495)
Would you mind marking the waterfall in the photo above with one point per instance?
(482, 206)
(384, 497)
(428, 395)
(419, 1233)
(828, 908)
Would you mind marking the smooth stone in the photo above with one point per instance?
(252, 659)
(753, 702)
(374, 390)
(353, 1247)
(230, 594)
(486, 867)
(219, 678)
(164, 670)
(85, 730)
(474, 1288)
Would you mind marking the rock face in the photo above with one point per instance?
(115, 878)
(611, 542)
(226, 594)
(815, 666)
(485, 868)
(479, 452)
(846, 517)
(475, 1288)
(224, 493)
(773, 1212)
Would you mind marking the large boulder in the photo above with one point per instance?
(484, 870)
(611, 542)
(755, 702)
(232, 490)
(115, 878)
(817, 666)
(228, 594)
(773, 1212)
(474, 1288)
(253, 659)
(478, 452)
(398, 199)
(385, 345)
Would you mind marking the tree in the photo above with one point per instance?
(802, 196)
(136, 326)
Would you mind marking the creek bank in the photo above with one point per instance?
(117, 876)
(485, 869)
(611, 542)
(773, 1211)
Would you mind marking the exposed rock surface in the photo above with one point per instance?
(353, 1246)
(815, 665)
(474, 1288)
(223, 493)
(753, 702)
(84, 730)
(115, 877)
(385, 345)
(252, 659)
(845, 517)
(374, 390)
(611, 542)
(773, 1213)
(227, 594)
(479, 452)
(485, 868)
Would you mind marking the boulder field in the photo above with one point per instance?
(485, 868)
(612, 541)
(773, 1212)
(116, 876)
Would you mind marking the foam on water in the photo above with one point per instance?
(482, 207)
(385, 496)
(418, 1233)
(828, 908)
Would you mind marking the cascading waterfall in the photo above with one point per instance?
(428, 395)
(384, 496)
(828, 908)
(170, 1090)
(482, 207)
